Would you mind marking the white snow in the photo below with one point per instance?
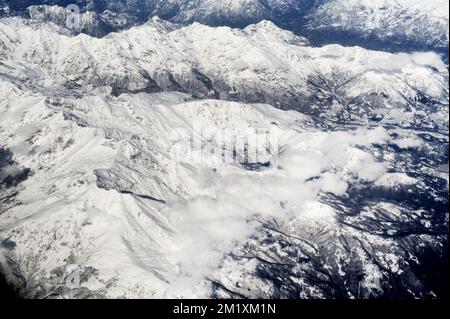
(108, 189)
(147, 248)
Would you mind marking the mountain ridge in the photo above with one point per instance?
(387, 25)
(240, 66)
(168, 160)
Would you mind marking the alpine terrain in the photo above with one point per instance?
(224, 149)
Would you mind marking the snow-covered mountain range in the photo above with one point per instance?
(259, 64)
(387, 24)
(398, 24)
(102, 194)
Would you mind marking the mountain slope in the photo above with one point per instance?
(114, 183)
(260, 64)
(403, 23)
(115, 202)
(389, 25)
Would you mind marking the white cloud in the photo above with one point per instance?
(408, 142)
(209, 226)
(333, 184)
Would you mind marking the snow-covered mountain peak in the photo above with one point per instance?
(388, 24)
(272, 33)
(161, 25)
(250, 64)
(197, 161)
(415, 24)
